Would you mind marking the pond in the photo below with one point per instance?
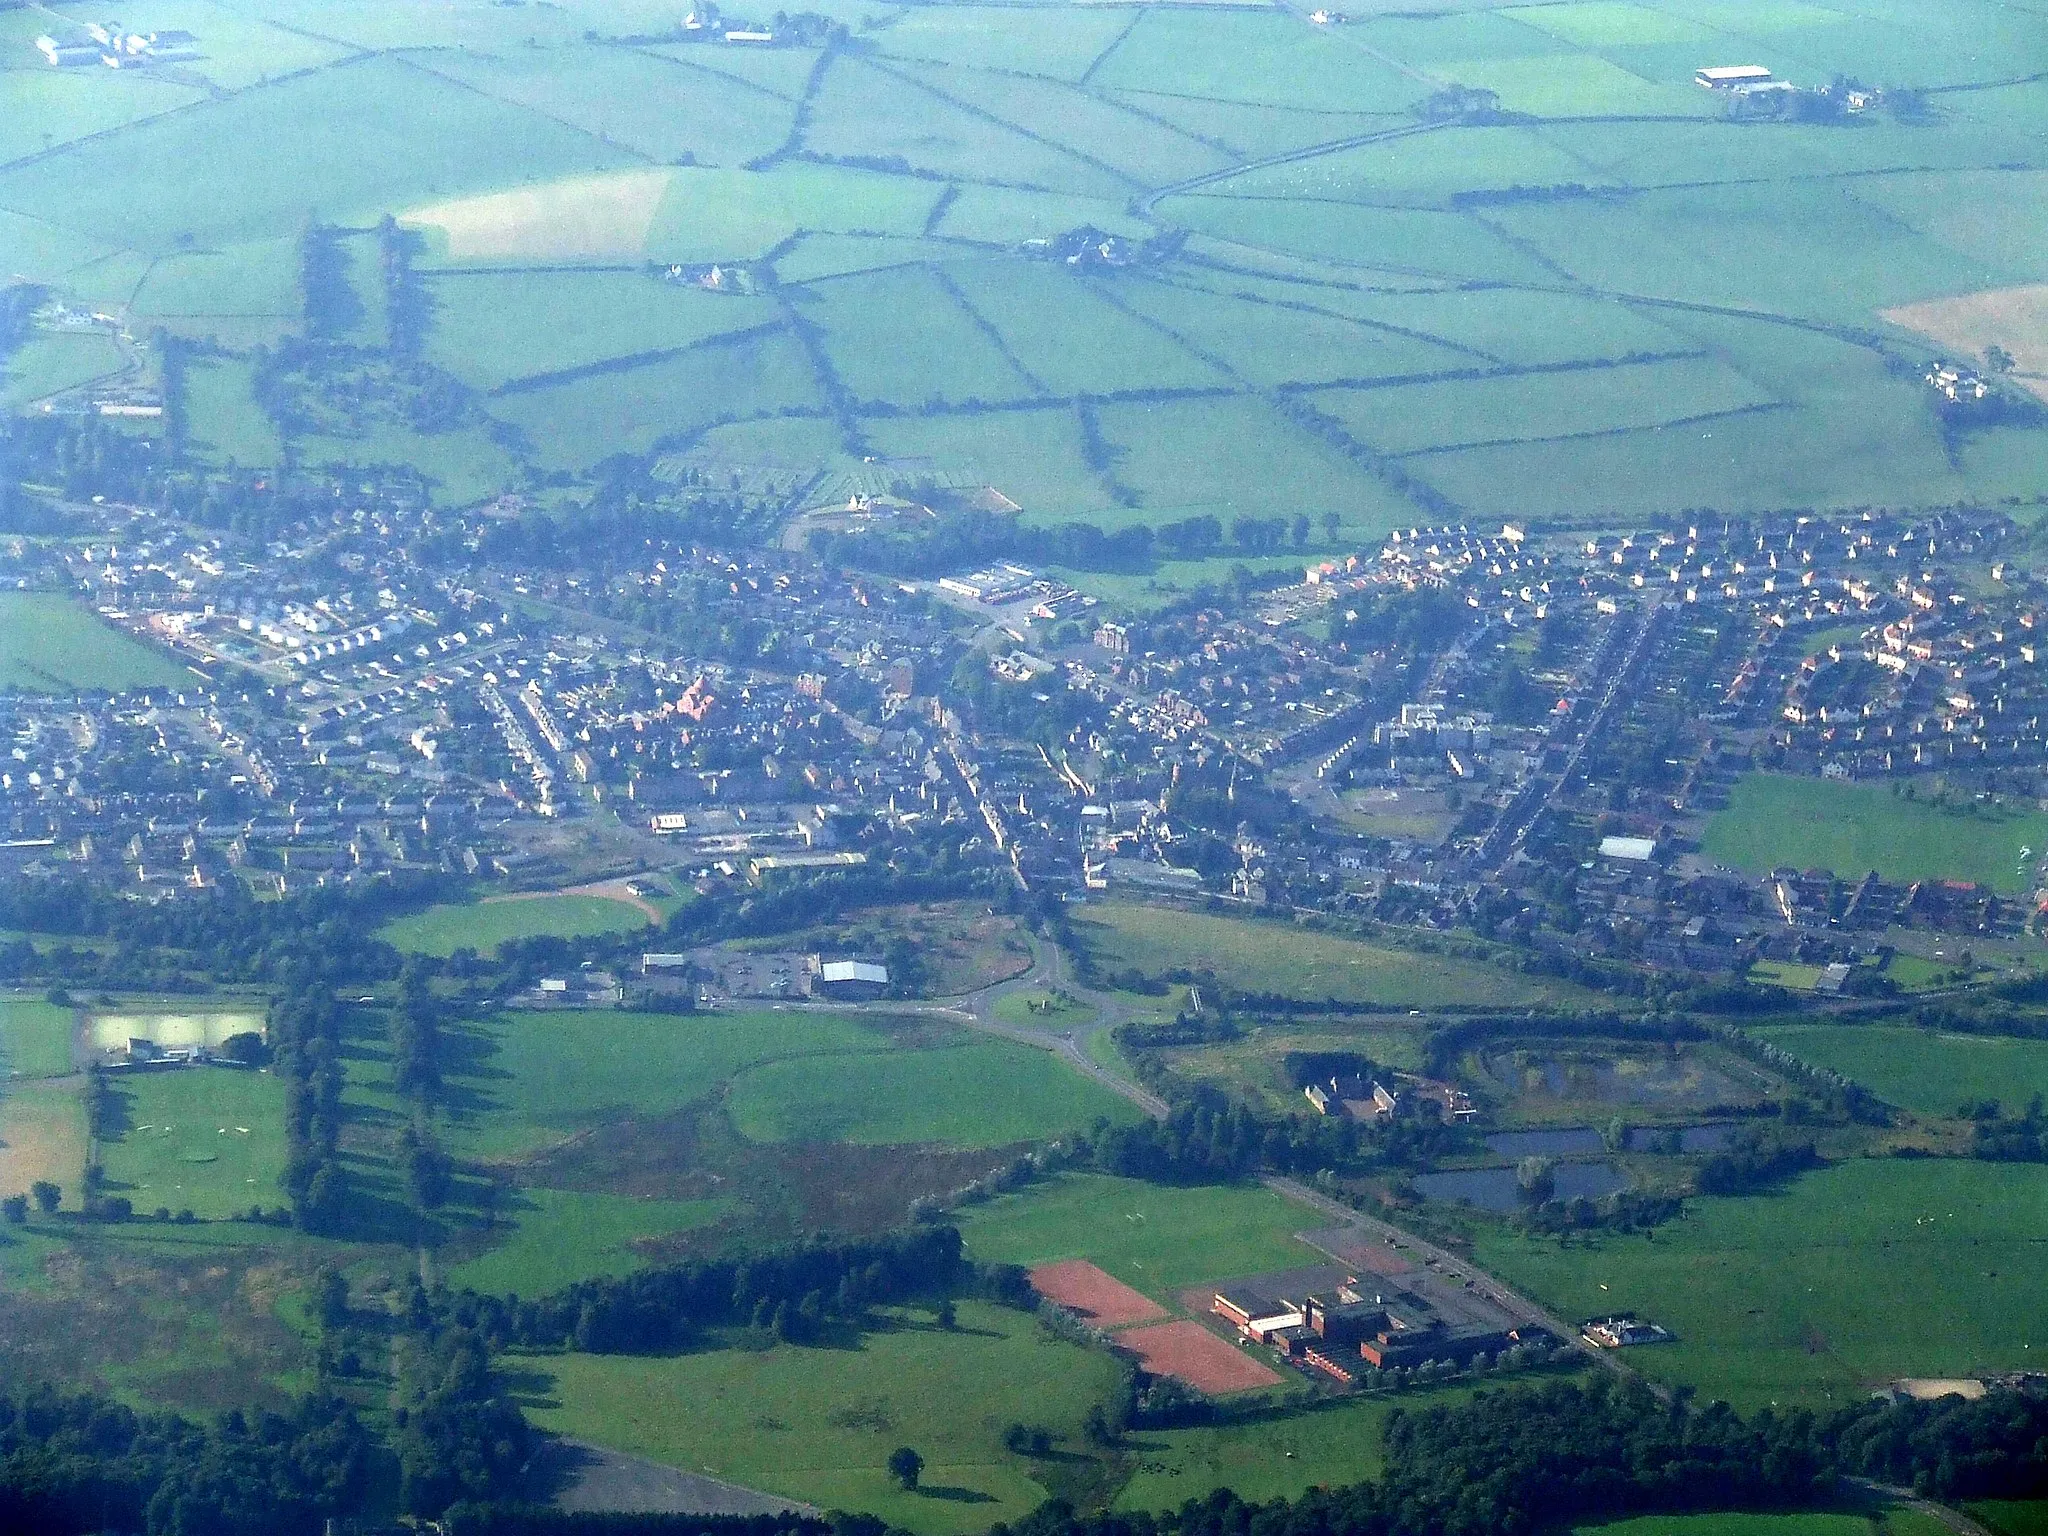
(1495, 1189)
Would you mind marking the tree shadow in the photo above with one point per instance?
(953, 1495)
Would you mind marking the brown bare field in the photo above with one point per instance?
(2013, 318)
(589, 217)
(42, 1136)
(1196, 1356)
(1086, 1291)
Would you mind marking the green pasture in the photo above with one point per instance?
(49, 108)
(1052, 44)
(538, 1077)
(1009, 216)
(1033, 457)
(653, 105)
(1422, 170)
(1255, 56)
(1800, 1523)
(461, 466)
(35, 1038)
(976, 1092)
(1069, 335)
(1777, 819)
(483, 925)
(490, 328)
(268, 151)
(1254, 955)
(51, 362)
(2013, 1517)
(1798, 1296)
(1287, 338)
(819, 1424)
(1156, 1238)
(946, 356)
(223, 421)
(555, 1238)
(777, 72)
(1928, 1072)
(51, 643)
(827, 255)
(205, 1139)
(1423, 418)
(582, 421)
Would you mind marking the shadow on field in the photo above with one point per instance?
(956, 1495)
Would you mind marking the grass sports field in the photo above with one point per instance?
(548, 159)
(1796, 1297)
(50, 643)
(483, 926)
(1257, 956)
(1919, 1069)
(35, 1038)
(1154, 1238)
(1773, 820)
(557, 1237)
(205, 1139)
(818, 1424)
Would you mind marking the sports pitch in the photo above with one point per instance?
(1599, 299)
(50, 643)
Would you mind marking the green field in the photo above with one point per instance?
(1804, 1296)
(1773, 819)
(1279, 1458)
(35, 1038)
(49, 363)
(558, 1237)
(51, 643)
(1254, 955)
(205, 1139)
(484, 925)
(975, 1093)
(1734, 271)
(1919, 1069)
(818, 1424)
(1153, 1237)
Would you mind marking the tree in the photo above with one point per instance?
(906, 1466)
(1537, 1178)
(47, 1196)
(15, 1208)
(330, 1298)
(947, 1317)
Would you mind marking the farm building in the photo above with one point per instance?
(851, 978)
(1733, 77)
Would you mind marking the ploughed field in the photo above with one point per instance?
(1593, 292)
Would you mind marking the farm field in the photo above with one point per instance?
(1922, 1070)
(1257, 956)
(51, 643)
(558, 1237)
(35, 1038)
(1794, 1297)
(1153, 1238)
(42, 1136)
(818, 1424)
(49, 363)
(974, 1093)
(205, 1139)
(1332, 1446)
(483, 926)
(547, 159)
(1772, 820)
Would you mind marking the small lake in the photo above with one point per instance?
(1495, 1189)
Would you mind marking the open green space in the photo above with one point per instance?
(2013, 1517)
(1254, 955)
(484, 925)
(1153, 1237)
(819, 1424)
(541, 1076)
(553, 1238)
(1777, 819)
(52, 643)
(1277, 1458)
(975, 1093)
(1924, 1070)
(51, 362)
(35, 1038)
(205, 1139)
(1852, 1276)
